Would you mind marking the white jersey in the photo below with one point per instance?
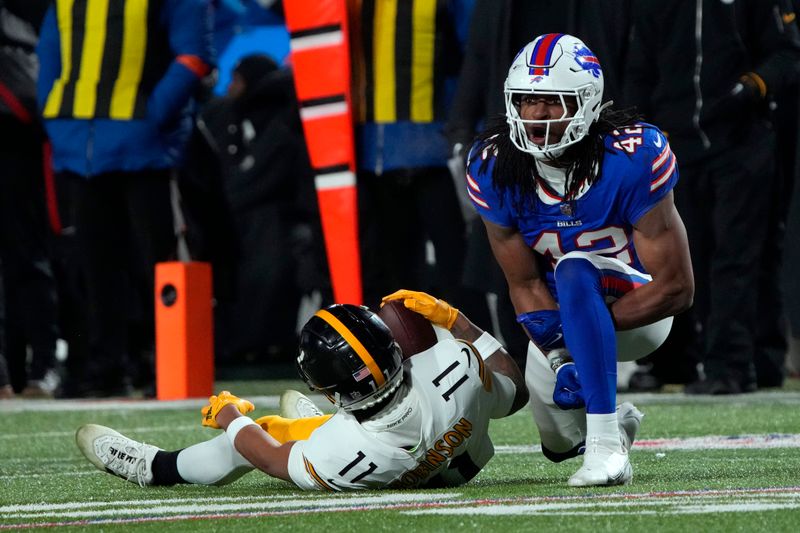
(433, 433)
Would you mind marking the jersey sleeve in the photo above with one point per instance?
(302, 471)
(480, 167)
(653, 172)
(500, 388)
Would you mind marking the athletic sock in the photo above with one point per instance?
(589, 331)
(165, 469)
(602, 431)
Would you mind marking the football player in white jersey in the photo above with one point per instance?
(418, 422)
(578, 207)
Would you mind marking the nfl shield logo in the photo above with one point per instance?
(567, 209)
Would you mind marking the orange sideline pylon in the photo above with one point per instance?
(184, 331)
(320, 56)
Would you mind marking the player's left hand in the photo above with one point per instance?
(216, 403)
(568, 393)
(437, 311)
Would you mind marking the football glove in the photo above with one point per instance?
(437, 311)
(544, 328)
(216, 403)
(567, 393)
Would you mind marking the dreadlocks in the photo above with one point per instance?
(516, 170)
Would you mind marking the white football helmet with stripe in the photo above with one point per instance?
(554, 64)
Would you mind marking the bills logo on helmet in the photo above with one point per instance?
(587, 61)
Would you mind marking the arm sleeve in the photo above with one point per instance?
(653, 174)
(188, 23)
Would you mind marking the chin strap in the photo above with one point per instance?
(604, 107)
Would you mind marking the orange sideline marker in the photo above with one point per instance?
(184, 331)
(320, 56)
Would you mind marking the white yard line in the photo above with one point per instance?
(664, 503)
(175, 506)
(708, 442)
(271, 402)
(22, 406)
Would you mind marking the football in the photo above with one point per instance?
(412, 331)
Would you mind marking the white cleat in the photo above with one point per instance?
(116, 454)
(629, 419)
(602, 468)
(295, 404)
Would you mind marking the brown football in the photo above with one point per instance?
(412, 331)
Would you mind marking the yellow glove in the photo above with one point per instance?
(216, 403)
(437, 311)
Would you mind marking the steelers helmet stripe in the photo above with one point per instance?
(354, 343)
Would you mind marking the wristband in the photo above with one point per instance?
(486, 345)
(236, 426)
(557, 358)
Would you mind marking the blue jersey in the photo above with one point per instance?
(638, 170)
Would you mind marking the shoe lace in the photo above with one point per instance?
(135, 471)
(140, 470)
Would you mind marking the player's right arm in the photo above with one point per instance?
(257, 446)
(490, 350)
(526, 286)
(499, 362)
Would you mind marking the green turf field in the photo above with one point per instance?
(700, 464)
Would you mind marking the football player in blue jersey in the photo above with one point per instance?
(578, 206)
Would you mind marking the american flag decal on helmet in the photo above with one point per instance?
(361, 374)
(542, 56)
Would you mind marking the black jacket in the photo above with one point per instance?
(602, 25)
(260, 145)
(687, 55)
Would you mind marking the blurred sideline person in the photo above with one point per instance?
(261, 236)
(418, 422)
(577, 203)
(405, 58)
(708, 72)
(30, 318)
(116, 91)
